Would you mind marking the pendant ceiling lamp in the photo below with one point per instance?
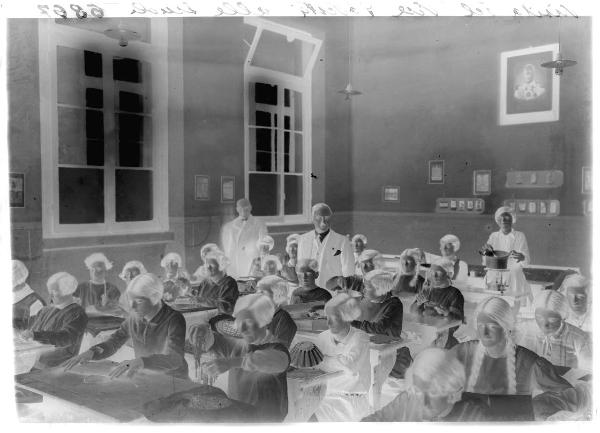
(349, 90)
(559, 63)
(123, 35)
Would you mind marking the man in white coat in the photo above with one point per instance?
(331, 250)
(239, 238)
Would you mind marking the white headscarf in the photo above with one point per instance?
(170, 258)
(292, 239)
(382, 281)
(450, 239)
(146, 286)
(95, 258)
(347, 307)
(19, 272)
(132, 264)
(363, 238)
(64, 282)
(271, 258)
(367, 255)
(505, 209)
(266, 240)
(553, 301)
(260, 306)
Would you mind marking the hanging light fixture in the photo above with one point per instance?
(122, 34)
(349, 90)
(559, 63)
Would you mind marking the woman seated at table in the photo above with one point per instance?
(439, 298)
(200, 275)
(561, 343)
(157, 333)
(449, 246)
(434, 386)
(307, 270)
(257, 364)
(61, 324)
(271, 265)
(131, 270)
(282, 326)
(576, 288)
(514, 242)
(494, 364)
(345, 349)
(26, 302)
(288, 270)
(219, 290)
(97, 293)
(264, 245)
(408, 280)
(176, 280)
(354, 284)
(381, 313)
(359, 242)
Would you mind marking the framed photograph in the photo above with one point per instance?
(522, 206)
(586, 180)
(532, 208)
(461, 205)
(201, 187)
(478, 205)
(543, 209)
(391, 193)
(227, 189)
(528, 92)
(17, 189)
(436, 171)
(482, 182)
(453, 204)
(469, 204)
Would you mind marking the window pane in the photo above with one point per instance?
(81, 195)
(263, 194)
(286, 122)
(286, 97)
(263, 118)
(125, 69)
(275, 52)
(131, 127)
(297, 111)
(261, 155)
(133, 195)
(135, 140)
(297, 154)
(129, 101)
(73, 145)
(265, 94)
(94, 98)
(293, 195)
(94, 124)
(93, 64)
(69, 63)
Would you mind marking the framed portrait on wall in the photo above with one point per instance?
(436, 171)
(391, 193)
(482, 182)
(201, 187)
(227, 189)
(586, 180)
(528, 92)
(16, 189)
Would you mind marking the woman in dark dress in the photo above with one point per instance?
(408, 281)
(97, 292)
(282, 326)
(26, 302)
(288, 270)
(61, 324)
(308, 291)
(219, 290)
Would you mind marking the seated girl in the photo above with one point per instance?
(439, 298)
(282, 326)
(449, 246)
(176, 280)
(435, 383)
(271, 265)
(354, 284)
(219, 290)
(156, 332)
(561, 343)
(131, 270)
(288, 270)
(307, 270)
(257, 364)
(408, 281)
(62, 323)
(200, 276)
(494, 364)
(26, 302)
(97, 293)
(345, 349)
(577, 290)
(264, 245)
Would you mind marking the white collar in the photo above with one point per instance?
(22, 293)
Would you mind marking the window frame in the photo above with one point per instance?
(300, 84)
(51, 35)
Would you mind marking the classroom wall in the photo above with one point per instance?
(431, 92)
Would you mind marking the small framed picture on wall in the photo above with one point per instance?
(586, 180)
(201, 187)
(391, 193)
(482, 182)
(436, 171)
(227, 189)
(17, 189)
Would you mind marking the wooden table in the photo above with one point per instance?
(117, 400)
(306, 390)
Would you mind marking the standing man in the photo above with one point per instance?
(239, 238)
(331, 250)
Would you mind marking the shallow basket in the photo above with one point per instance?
(305, 355)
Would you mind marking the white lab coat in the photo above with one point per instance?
(239, 240)
(331, 262)
(347, 395)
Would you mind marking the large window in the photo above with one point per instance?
(103, 166)
(277, 76)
